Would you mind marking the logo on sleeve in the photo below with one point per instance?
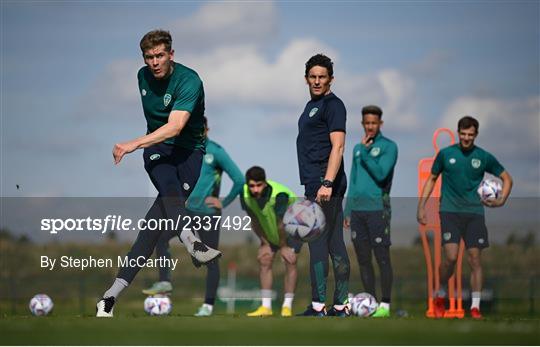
(167, 99)
(452, 161)
(375, 151)
(476, 163)
(357, 154)
(313, 111)
(143, 92)
(209, 158)
(155, 156)
(186, 186)
(447, 236)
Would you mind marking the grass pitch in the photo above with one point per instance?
(240, 330)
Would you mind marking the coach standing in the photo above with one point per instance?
(320, 145)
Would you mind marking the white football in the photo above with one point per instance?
(489, 189)
(363, 305)
(41, 305)
(158, 305)
(304, 220)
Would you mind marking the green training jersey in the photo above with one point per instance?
(462, 172)
(215, 162)
(371, 175)
(266, 215)
(182, 91)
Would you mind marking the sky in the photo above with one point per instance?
(69, 90)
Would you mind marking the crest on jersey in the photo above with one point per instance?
(143, 92)
(375, 151)
(167, 99)
(313, 111)
(357, 154)
(452, 161)
(185, 186)
(209, 158)
(155, 156)
(447, 236)
(476, 163)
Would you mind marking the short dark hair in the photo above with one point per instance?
(467, 122)
(155, 38)
(320, 60)
(255, 173)
(372, 109)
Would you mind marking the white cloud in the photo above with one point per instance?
(220, 24)
(243, 75)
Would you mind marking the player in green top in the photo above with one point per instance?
(461, 211)
(204, 201)
(266, 201)
(173, 102)
(367, 211)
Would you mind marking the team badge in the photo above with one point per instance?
(155, 156)
(313, 111)
(185, 186)
(375, 151)
(481, 241)
(476, 163)
(378, 240)
(167, 99)
(447, 236)
(357, 154)
(143, 92)
(209, 158)
(452, 161)
(353, 235)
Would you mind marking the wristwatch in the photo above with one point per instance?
(327, 183)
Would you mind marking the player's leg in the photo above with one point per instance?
(143, 246)
(177, 190)
(476, 239)
(338, 251)
(318, 265)
(474, 259)
(451, 226)
(211, 239)
(362, 249)
(291, 276)
(163, 286)
(379, 231)
(265, 257)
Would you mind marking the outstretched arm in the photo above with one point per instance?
(176, 122)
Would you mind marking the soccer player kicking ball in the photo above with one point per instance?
(461, 211)
(266, 202)
(204, 202)
(367, 211)
(173, 103)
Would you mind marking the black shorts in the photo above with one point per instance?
(372, 226)
(293, 243)
(470, 227)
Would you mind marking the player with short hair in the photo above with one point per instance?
(320, 145)
(463, 166)
(266, 202)
(204, 201)
(173, 103)
(368, 210)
